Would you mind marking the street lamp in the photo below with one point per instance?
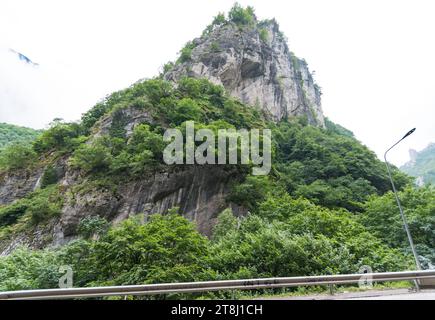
(405, 223)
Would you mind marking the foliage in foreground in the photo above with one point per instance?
(306, 240)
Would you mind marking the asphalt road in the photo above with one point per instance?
(422, 295)
(396, 294)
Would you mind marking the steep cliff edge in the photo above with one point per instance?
(254, 64)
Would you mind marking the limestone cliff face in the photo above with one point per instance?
(255, 65)
(16, 185)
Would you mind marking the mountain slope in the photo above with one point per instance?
(422, 165)
(10, 134)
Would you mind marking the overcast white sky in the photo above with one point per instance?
(375, 60)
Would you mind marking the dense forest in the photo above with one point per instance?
(325, 208)
(10, 134)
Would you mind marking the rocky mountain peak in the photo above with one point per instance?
(253, 62)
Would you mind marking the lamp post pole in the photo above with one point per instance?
(405, 223)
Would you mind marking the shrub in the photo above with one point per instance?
(168, 67)
(25, 269)
(264, 35)
(219, 19)
(17, 156)
(49, 176)
(251, 192)
(186, 52)
(60, 136)
(307, 240)
(44, 204)
(92, 157)
(91, 226)
(185, 109)
(166, 249)
(146, 139)
(91, 117)
(242, 16)
(119, 121)
(226, 222)
(214, 47)
(11, 213)
(39, 206)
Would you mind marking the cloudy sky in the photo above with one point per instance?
(373, 59)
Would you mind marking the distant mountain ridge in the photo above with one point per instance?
(10, 134)
(24, 58)
(422, 165)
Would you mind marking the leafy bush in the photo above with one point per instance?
(186, 52)
(44, 204)
(168, 67)
(185, 109)
(49, 176)
(94, 114)
(219, 19)
(166, 249)
(144, 138)
(119, 121)
(264, 35)
(251, 192)
(91, 226)
(40, 205)
(60, 136)
(25, 270)
(242, 16)
(17, 156)
(226, 222)
(92, 157)
(112, 155)
(11, 213)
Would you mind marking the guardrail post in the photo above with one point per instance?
(331, 289)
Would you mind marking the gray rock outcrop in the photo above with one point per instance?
(255, 65)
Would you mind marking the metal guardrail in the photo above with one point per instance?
(190, 287)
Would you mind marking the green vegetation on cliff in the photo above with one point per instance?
(423, 166)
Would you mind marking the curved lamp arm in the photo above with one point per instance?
(405, 222)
